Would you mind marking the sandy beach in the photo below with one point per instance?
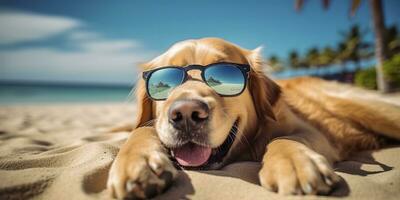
(65, 151)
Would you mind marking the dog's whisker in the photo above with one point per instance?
(242, 137)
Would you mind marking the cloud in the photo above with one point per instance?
(83, 35)
(19, 27)
(51, 64)
(89, 58)
(110, 46)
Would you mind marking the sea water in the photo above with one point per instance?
(42, 93)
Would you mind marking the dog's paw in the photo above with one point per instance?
(297, 171)
(140, 176)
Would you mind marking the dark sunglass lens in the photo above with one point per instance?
(225, 79)
(162, 81)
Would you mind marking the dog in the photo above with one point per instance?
(297, 128)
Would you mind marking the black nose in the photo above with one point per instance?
(188, 114)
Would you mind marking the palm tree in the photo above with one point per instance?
(313, 57)
(327, 56)
(380, 52)
(342, 55)
(275, 63)
(379, 28)
(294, 59)
(392, 41)
(355, 48)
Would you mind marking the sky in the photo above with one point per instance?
(102, 41)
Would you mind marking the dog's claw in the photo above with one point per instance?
(298, 169)
(141, 180)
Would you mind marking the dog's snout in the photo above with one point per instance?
(188, 114)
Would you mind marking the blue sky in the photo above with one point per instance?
(102, 41)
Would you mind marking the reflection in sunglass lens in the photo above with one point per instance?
(162, 81)
(225, 79)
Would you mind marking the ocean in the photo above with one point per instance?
(24, 93)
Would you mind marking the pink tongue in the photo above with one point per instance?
(192, 155)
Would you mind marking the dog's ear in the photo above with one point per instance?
(144, 105)
(264, 91)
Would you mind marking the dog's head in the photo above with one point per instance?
(210, 129)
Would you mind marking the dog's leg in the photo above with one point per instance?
(292, 165)
(142, 168)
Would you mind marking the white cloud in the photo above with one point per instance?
(83, 35)
(110, 46)
(56, 65)
(93, 59)
(21, 27)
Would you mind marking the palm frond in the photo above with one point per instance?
(355, 4)
(298, 5)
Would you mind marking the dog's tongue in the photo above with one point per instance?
(192, 155)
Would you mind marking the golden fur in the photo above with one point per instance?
(297, 128)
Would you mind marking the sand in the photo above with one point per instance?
(65, 151)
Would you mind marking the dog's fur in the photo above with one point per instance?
(297, 128)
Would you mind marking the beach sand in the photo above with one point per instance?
(65, 152)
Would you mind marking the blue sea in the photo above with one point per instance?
(24, 93)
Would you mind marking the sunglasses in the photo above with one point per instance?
(226, 79)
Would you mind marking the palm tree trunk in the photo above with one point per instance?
(380, 54)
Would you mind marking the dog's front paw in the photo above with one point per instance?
(293, 168)
(140, 176)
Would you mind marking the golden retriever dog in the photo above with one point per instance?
(296, 128)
